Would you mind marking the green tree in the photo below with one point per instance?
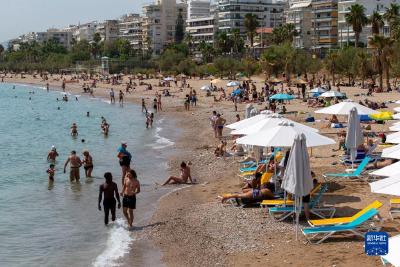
(226, 66)
(331, 62)
(179, 28)
(80, 51)
(278, 59)
(377, 23)
(207, 51)
(283, 34)
(222, 43)
(1, 49)
(357, 19)
(363, 61)
(237, 41)
(251, 24)
(188, 40)
(346, 62)
(391, 15)
(383, 47)
(249, 66)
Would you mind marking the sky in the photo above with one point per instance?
(21, 16)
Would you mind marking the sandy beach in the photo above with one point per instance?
(192, 228)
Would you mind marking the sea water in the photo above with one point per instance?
(60, 225)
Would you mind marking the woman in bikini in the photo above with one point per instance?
(87, 164)
(185, 175)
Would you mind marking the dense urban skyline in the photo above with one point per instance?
(21, 16)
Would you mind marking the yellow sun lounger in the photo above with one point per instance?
(321, 222)
(394, 207)
(289, 202)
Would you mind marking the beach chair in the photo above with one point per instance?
(342, 220)
(394, 207)
(355, 174)
(357, 227)
(286, 202)
(281, 213)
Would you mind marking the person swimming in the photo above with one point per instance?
(74, 129)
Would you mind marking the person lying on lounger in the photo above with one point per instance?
(254, 192)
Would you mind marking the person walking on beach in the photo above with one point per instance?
(125, 159)
(185, 175)
(75, 164)
(51, 157)
(213, 119)
(131, 187)
(144, 109)
(121, 97)
(87, 164)
(219, 124)
(110, 191)
(112, 96)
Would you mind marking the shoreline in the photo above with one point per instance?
(192, 228)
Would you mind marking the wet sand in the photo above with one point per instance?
(192, 228)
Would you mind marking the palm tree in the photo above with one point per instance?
(251, 24)
(206, 50)
(357, 19)
(392, 16)
(377, 23)
(237, 41)
(383, 51)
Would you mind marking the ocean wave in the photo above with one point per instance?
(161, 142)
(118, 243)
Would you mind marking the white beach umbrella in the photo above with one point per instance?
(396, 123)
(233, 84)
(393, 138)
(354, 135)
(391, 152)
(283, 136)
(396, 116)
(249, 121)
(397, 102)
(331, 94)
(317, 90)
(168, 79)
(206, 88)
(393, 169)
(397, 109)
(389, 186)
(395, 128)
(268, 123)
(343, 108)
(297, 179)
(393, 257)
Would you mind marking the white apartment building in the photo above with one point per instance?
(108, 30)
(85, 31)
(231, 13)
(198, 8)
(63, 37)
(159, 23)
(345, 31)
(130, 28)
(299, 13)
(201, 29)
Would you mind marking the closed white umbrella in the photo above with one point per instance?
(393, 257)
(393, 169)
(233, 84)
(343, 108)
(283, 136)
(269, 123)
(297, 179)
(354, 135)
(249, 121)
(391, 152)
(389, 186)
(331, 94)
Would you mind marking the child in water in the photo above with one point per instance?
(51, 172)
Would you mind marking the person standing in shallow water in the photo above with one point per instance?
(130, 188)
(75, 164)
(110, 191)
(124, 159)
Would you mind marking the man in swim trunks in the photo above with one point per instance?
(51, 157)
(110, 190)
(75, 164)
(185, 175)
(130, 188)
(124, 159)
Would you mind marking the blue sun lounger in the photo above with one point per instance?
(357, 227)
(355, 174)
(281, 213)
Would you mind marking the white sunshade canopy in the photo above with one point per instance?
(269, 123)
(393, 257)
(331, 94)
(343, 108)
(393, 138)
(168, 79)
(395, 128)
(391, 152)
(391, 170)
(317, 90)
(206, 87)
(389, 186)
(249, 121)
(233, 84)
(397, 109)
(396, 116)
(283, 136)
